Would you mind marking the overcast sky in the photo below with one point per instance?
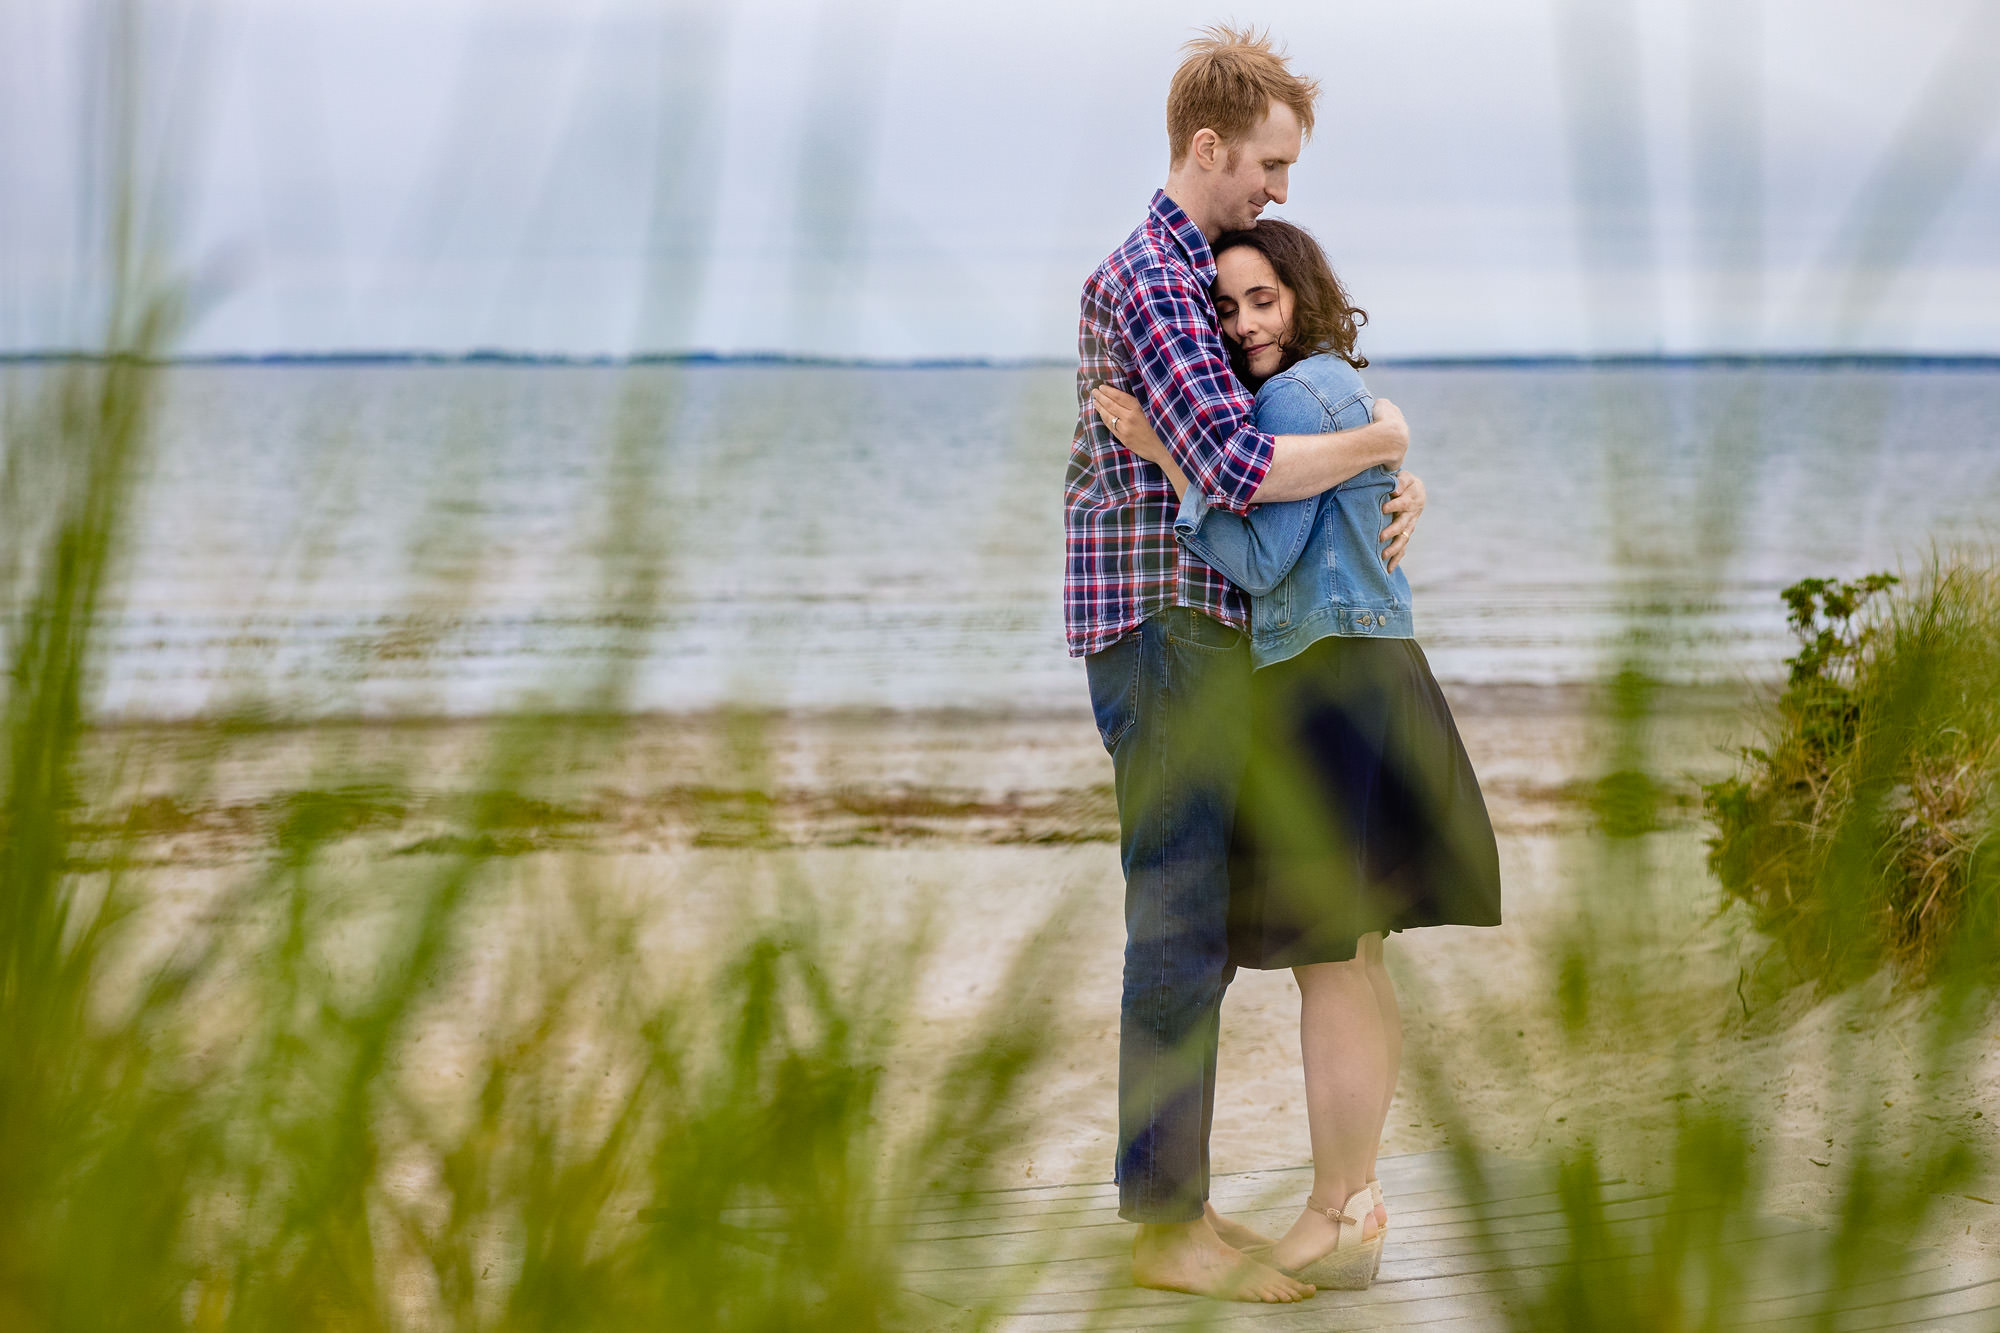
(930, 180)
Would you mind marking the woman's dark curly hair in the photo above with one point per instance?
(1324, 317)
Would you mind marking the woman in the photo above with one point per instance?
(1360, 813)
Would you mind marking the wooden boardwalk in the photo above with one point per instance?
(1054, 1257)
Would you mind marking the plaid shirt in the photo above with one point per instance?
(1148, 327)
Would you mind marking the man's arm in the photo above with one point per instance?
(1206, 417)
(1203, 415)
(1256, 550)
(1303, 465)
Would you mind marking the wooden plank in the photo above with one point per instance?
(1419, 1174)
(1415, 1173)
(981, 1273)
(1344, 1310)
(946, 1250)
(1055, 1258)
(1944, 1296)
(1104, 1284)
(1436, 1303)
(1430, 1201)
(1431, 1210)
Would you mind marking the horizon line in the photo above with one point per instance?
(497, 356)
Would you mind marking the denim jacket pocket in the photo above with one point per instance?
(1276, 606)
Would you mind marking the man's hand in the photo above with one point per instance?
(1406, 502)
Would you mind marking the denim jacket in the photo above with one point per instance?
(1313, 567)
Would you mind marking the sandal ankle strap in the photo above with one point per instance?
(1334, 1214)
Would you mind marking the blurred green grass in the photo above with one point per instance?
(1860, 832)
(239, 1119)
(1874, 710)
(236, 1120)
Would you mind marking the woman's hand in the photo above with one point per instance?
(1121, 415)
(1406, 502)
(1128, 425)
(1389, 415)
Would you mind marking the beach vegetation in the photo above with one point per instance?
(325, 1089)
(1663, 1217)
(333, 1097)
(1859, 832)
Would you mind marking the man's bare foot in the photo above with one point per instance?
(1233, 1234)
(1190, 1257)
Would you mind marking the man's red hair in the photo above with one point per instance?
(1227, 82)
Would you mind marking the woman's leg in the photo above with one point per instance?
(1347, 1071)
(1370, 952)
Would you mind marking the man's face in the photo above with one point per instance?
(1256, 170)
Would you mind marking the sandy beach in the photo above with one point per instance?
(986, 826)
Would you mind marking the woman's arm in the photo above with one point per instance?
(1121, 414)
(1404, 506)
(1253, 551)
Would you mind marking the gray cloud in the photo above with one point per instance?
(861, 177)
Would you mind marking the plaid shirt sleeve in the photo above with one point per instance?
(1190, 394)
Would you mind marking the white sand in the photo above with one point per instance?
(988, 826)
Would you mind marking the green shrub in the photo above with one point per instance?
(1860, 832)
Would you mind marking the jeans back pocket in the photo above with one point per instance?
(1114, 688)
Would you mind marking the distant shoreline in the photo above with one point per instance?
(1468, 698)
(1617, 361)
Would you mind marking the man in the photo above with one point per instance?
(1163, 635)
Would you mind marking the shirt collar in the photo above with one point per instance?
(1168, 214)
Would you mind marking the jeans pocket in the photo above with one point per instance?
(1192, 629)
(1114, 688)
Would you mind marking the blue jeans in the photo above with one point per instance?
(1171, 700)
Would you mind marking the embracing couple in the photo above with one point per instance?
(1291, 786)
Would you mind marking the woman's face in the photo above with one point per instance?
(1255, 308)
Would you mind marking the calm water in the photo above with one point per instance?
(437, 538)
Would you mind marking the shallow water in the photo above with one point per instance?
(388, 538)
